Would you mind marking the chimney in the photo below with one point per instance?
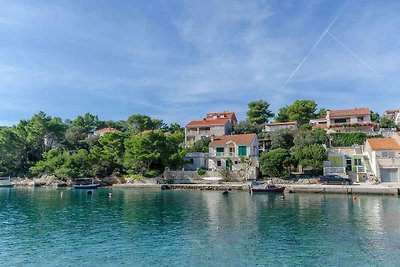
(212, 137)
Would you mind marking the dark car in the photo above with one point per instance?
(334, 179)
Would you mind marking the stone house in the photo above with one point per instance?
(213, 124)
(234, 152)
(350, 120)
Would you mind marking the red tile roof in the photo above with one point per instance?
(105, 130)
(391, 111)
(282, 123)
(239, 139)
(383, 144)
(219, 115)
(208, 122)
(349, 112)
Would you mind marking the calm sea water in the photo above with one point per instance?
(41, 227)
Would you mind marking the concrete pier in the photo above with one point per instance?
(344, 189)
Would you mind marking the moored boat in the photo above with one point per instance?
(5, 182)
(256, 187)
(85, 183)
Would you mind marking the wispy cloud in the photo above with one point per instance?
(179, 59)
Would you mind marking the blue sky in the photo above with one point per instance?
(177, 60)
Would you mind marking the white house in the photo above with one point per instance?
(384, 156)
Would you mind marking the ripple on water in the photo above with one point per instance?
(197, 228)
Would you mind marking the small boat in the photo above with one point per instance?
(256, 187)
(5, 182)
(85, 183)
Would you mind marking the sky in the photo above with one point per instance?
(177, 60)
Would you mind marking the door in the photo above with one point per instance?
(389, 175)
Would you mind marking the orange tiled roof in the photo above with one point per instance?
(106, 130)
(383, 144)
(239, 139)
(208, 122)
(282, 123)
(349, 112)
(319, 119)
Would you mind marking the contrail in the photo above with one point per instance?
(316, 44)
(351, 52)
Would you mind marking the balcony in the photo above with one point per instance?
(224, 154)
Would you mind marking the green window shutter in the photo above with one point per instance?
(220, 150)
(242, 151)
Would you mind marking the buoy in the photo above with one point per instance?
(62, 194)
(354, 198)
(282, 197)
(110, 194)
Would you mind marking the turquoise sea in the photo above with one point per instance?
(48, 227)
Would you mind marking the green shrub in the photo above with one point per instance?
(347, 139)
(201, 172)
(151, 173)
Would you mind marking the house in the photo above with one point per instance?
(275, 126)
(384, 156)
(196, 160)
(232, 151)
(393, 115)
(350, 120)
(213, 124)
(348, 161)
(102, 131)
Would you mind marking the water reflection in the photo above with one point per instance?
(152, 227)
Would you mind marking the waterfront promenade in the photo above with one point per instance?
(362, 188)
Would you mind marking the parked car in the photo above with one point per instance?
(334, 179)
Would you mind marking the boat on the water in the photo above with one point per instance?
(5, 182)
(85, 183)
(256, 187)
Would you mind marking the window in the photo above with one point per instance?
(357, 162)
(236, 162)
(191, 161)
(220, 151)
(388, 154)
(360, 119)
(348, 164)
(340, 121)
(219, 163)
(242, 151)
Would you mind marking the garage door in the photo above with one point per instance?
(389, 175)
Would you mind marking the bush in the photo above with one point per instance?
(151, 173)
(347, 139)
(201, 172)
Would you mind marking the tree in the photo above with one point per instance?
(301, 111)
(374, 116)
(247, 127)
(106, 157)
(259, 112)
(347, 139)
(200, 145)
(276, 163)
(281, 139)
(305, 137)
(153, 151)
(310, 156)
(282, 115)
(321, 113)
(386, 123)
(139, 123)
